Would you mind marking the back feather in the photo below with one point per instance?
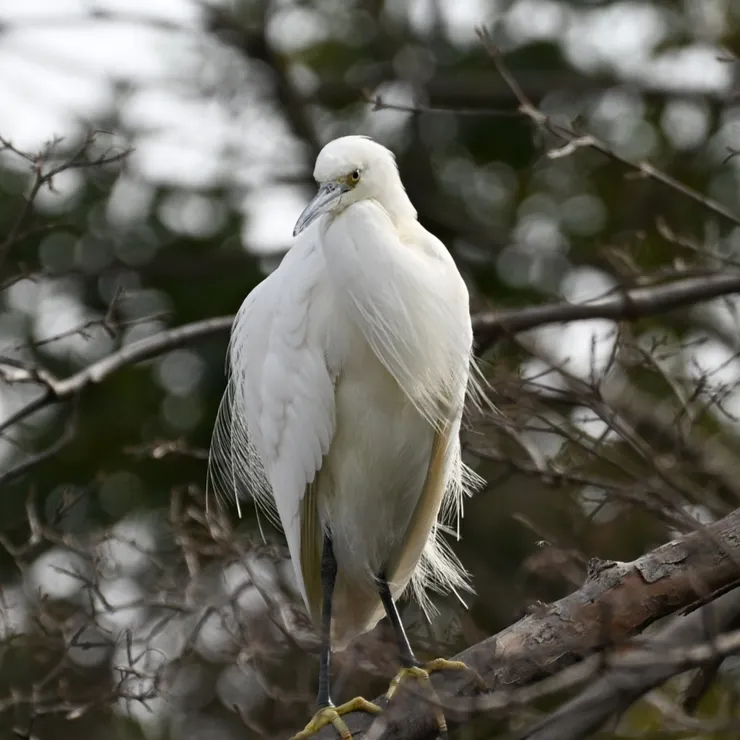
(234, 465)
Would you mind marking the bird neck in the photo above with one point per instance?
(397, 205)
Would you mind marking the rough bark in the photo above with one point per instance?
(616, 601)
(620, 686)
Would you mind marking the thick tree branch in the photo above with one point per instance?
(616, 601)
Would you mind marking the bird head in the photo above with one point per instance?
(351, 169)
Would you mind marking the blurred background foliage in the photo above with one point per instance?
(225, 105)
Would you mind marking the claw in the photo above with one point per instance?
(333, 716)
(442, 664)
(421, 674)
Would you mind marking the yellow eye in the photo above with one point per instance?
(354, 177)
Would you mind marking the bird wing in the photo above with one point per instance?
(277, 417)
(406, 553)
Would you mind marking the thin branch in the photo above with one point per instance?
(632, 304)
(144, 349)
(31, 461)
(574, 140)
(44, 177)
(378, 103)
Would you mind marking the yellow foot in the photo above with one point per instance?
(333, 716)
(421, 674)
(442, 664)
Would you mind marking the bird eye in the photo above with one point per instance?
(354, 176)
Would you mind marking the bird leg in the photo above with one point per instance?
(327, 713)
(412, 668)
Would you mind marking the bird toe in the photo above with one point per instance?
(333, 716)
(421, 674)
(442, 664)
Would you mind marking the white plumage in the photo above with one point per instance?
(348, 372)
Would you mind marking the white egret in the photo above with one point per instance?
(349, 366)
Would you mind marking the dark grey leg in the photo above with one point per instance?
(408, 659)
(328, 579)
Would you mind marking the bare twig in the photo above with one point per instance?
(578, 140)
(45, 177)
(379, 103)
(32, 461)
